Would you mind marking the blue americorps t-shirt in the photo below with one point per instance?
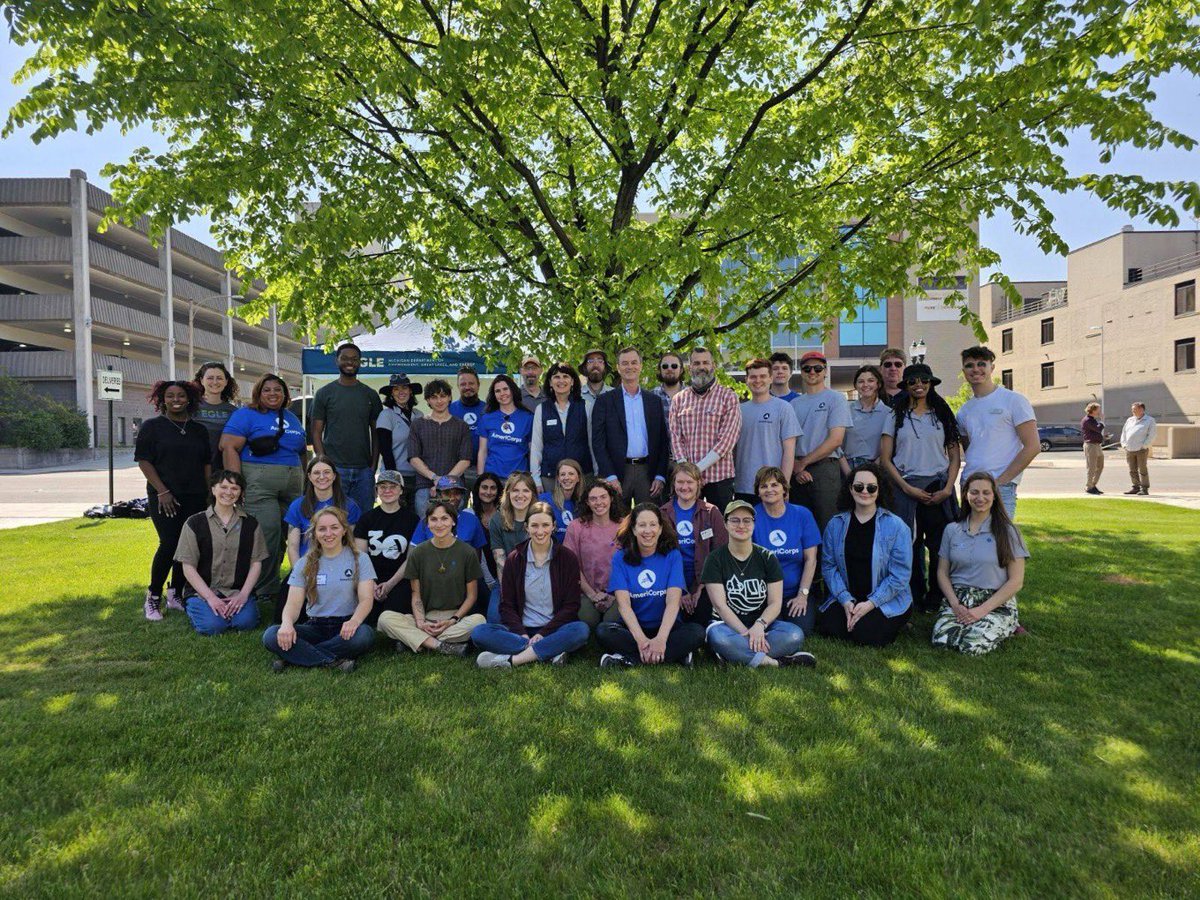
(787, 538)
(562, 517)
(647, 583)
(469, 530)
(685, 529)
(296, 518)
(508, 437)
(251, 423)
(471, 415)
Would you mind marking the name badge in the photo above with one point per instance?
(552, 421)
(706, 534)
(322, 578)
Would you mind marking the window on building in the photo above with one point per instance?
(1185, 355)
(1048, 375)
(869, 325)
(1006, 343)
(1133, 275)
(1048, 331)
(1006, 378)
(1185, 297)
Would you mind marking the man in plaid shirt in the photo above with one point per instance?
(705, 424)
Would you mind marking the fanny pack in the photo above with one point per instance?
(268, 444)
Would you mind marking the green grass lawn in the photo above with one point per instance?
(138, 758)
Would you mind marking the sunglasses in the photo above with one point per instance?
(668, 365)
(860, 488)
(892, 364)
(812, 368)
(918, 380)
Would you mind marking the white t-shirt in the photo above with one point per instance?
(990, 424)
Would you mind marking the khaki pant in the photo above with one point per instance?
(403, 627)
(592, 617)
(1094, 454)
(1139, 474)
(270, 490)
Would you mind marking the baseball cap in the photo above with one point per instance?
(734, 505)
(389, 476)
(530, 359)
(813, 354)
(449, 483)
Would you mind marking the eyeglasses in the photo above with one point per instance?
(668, 365)
(860, 488)
(812, 368)
(918, 380)
(892, 364)
(740, 521)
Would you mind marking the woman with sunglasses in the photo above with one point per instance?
(504, 430)
(560, 427)
(866, 558)
(920, 452)
(980, 568)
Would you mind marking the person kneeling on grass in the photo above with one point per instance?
(745, 585)
(539, 609)
(647, 580)
(444, 573)
(222, 552)
(981, 566)
(338, 584)
(866, 557)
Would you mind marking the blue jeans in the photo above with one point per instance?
(807, 622)
(358, 485)
(319, 642)
(493, 610)
(499, 639)
(1008, 496)
(421, 502)
(208, 623)
(783, 637)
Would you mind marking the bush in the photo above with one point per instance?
(28, 419)
(36, 429)
(72, 425)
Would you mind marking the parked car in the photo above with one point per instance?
(1068, 437)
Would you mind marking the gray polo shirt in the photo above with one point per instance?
(973, 557)
(337, 591)
(764, 427)
(539, 599)
(862, 440)
(919, 450)
(817, 413)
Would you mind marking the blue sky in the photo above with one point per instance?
(1080, 219)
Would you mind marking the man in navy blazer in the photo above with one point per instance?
(629, 435)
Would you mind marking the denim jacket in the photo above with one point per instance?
(891, 559)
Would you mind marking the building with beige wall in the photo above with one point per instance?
(1121, 328)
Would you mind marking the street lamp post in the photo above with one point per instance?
(1099, 329)
(916, 351)
(228, 298)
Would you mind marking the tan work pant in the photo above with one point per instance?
(1139, 473)
(403, 627)
(1094, 454)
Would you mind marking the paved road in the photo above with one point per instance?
(53, 495)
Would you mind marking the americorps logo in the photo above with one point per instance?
(568, 517)
(646, 578)
(470, 418)
(778, 537)
(684, 529)
(508, 427)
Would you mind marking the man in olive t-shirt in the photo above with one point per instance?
(344, 414)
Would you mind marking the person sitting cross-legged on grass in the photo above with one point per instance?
(866, 558)
(222, 552)
(745, 585)
(981, 566)
(647, 580)
(338, 585)
(539, 606)
(444, 572)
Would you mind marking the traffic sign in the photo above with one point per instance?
(109, 385)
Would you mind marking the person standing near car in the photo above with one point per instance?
(344, 415)
(1136, 437)
(1093, 446)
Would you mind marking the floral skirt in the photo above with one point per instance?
(979, 637)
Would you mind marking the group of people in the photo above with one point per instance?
(564, 508)
(1137, 436)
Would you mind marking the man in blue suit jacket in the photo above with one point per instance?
(629, 435)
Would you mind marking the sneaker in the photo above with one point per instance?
(1134, 490)
(402, 647)
(457, 649)
(800, 658)
(344, 665)
(278, 665)
(614, 661)
(689, 660)
(561, 659)
(1145, 492)
(488, 660)
(1093, 490)
(152, 607)
(174, 601)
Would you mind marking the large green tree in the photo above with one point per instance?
(486, 161)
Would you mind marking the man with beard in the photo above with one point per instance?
(344, 413)
(670, 379)
(705, 424)
(531, 386)
(469, 408)
(594, 370)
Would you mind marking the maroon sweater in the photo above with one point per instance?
(706, 517)
(1092, 432)
(564, 589)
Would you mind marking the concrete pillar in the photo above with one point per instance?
(167, 308)
(227, 323)
(81, 293)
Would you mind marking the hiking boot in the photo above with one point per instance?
(614, 661)
(488, 660)
(456, 649)
(152, 607)
(800, 658)
(174, 601)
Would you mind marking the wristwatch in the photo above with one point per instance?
(804, 591)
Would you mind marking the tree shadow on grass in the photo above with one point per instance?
(142, 754)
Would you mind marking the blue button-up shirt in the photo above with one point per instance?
(637, 441)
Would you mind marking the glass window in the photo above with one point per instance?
(1185, 355)
(1048, 375)
(1185, 297)
(1006, 378)
(869, 327)
(1006, 340)
(1048, 331)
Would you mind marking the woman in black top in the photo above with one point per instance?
(174, 454)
